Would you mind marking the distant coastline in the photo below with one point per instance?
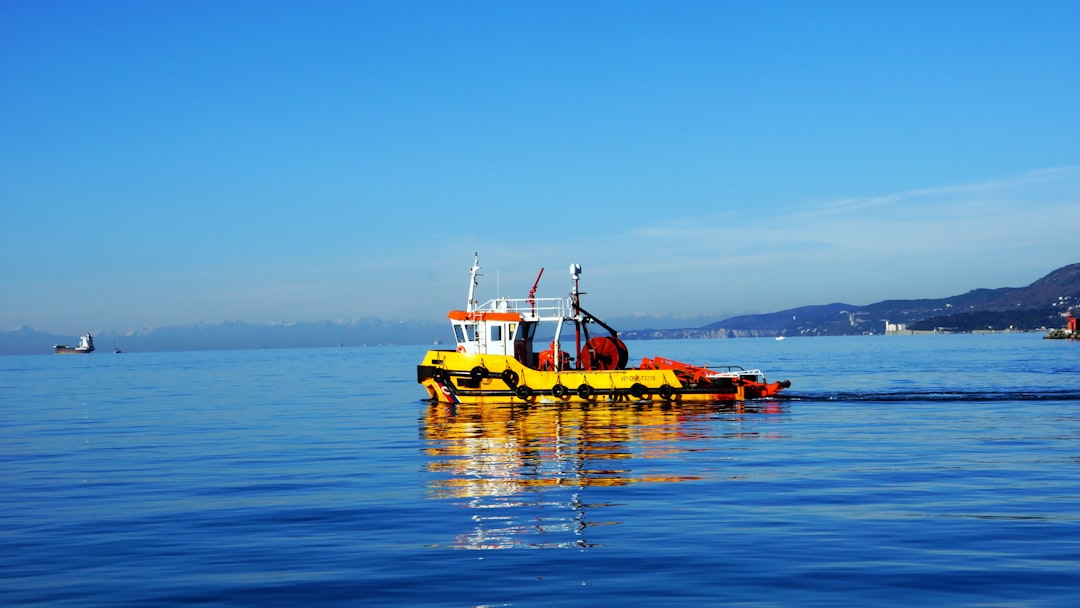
(1038, 307)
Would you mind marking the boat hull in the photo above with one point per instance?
(454, 377)
(86, 345)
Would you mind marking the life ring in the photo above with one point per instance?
(478, 373)
(665, 392)
(523, 392)
(638, 390)
(510, 377)
(558, 391)
(585, 391)
(461, 348)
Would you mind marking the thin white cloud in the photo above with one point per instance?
(958, 210)
(923, 242)
(1009, 188)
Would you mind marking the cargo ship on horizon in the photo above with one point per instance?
(86, 345)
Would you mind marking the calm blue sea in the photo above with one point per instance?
(899, 471)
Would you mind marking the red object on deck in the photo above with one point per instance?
(603, 352)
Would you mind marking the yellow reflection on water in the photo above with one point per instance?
(514, 458)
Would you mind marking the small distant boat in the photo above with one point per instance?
(495, 359)
(86, 345)
(116, 348)
(779, 337)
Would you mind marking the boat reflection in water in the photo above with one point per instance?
(524, 468)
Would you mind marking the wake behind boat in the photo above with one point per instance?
(495, 359)
(86, 345)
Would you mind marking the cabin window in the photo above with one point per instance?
(470, 332)
(460, 332)
(496, 333)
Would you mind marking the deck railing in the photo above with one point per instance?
(536, 307)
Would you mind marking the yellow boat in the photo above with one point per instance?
(495, 359)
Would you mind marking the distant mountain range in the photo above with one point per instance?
(239, 335)
(1036, 307)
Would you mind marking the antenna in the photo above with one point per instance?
(575, 276)
(473, 273)
(575, 297)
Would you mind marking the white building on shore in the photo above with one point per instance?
(895, 328)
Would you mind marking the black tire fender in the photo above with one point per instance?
(666, 392)
(510, 377)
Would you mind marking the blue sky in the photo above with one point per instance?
(185, 161)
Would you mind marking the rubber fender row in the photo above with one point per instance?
(478, 373)
(585, 391)
(640, 391)
(559, 391)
